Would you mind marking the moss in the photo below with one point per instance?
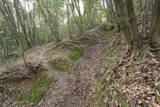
(34, 95)
(81, 48)
(77, 52)
(62, 65)
(45, 82)
(75, 55)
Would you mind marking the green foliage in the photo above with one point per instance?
(36, 93)
(18, 51)
(111, 92)
(43, 34)
(41, 24)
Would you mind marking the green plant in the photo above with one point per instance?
(116, 96)
(112, 62)
(98, 89)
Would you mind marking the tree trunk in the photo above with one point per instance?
(122, 18)
(128, 23)
(111, 16)
(136, 40)
(155, 30)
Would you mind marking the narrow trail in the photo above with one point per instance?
(72, 89)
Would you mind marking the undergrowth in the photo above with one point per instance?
(105, 93)
(126, 81)
(98, 89)
(113, 94)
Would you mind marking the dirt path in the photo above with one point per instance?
(72, 89)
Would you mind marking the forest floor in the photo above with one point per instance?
(73, 88)
(94, 71)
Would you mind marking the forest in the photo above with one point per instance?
(79, 53)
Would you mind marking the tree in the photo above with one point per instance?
(51, 18)
(128, 24)
(111, 16)
(155, 29)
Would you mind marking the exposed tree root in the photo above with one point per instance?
(18, 73)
